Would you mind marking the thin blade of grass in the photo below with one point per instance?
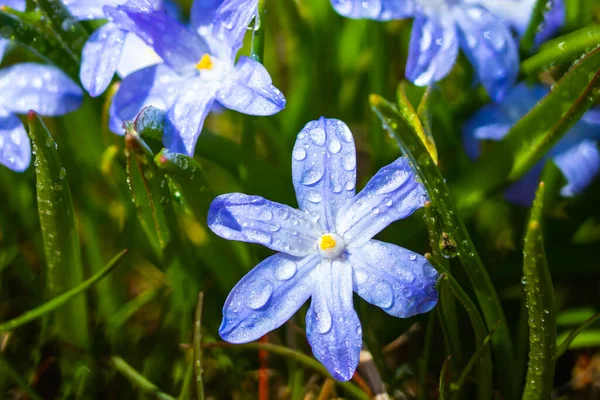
(535, 21)
(137, 379)
(564, 345)
(64, 25)
(198, 369)
(443, 373)
(64, 298)
(540, 305)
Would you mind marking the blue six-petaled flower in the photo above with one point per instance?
(576, 154)
(326, 250)
(199, 68)
(482, 28)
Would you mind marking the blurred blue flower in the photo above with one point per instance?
(110, 48)
(198, 70)
(25, 87)
(326, 250)
(482, 28)
(576, 154)
(18, 5)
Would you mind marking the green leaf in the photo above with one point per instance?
(443, 373)
(401, 127)
(566, 341)
(585, 339)
(198, 347)
(562, 49)
(535, 21)
(258, 33)
(574, 316)
(59, 232)
(63, 299)
(539, 294)
(150, 191)
(483, 355)
(137, 379)
(536, 133)
(65, 26)
(41, 43)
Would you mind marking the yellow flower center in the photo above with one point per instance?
(205, 63)
(327, 242)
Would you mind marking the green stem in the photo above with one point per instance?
(53, 304)
(258, 33)
(137, 379)
(564, 345)
(198, 347)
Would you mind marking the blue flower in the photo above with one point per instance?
(482, 28)
(110, 49)
(576, 154)
(198, 70)
(326, 250)
(25, 87)
(18, 5)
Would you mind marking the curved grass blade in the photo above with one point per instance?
(564, 344)
(539, 294)
(302, 358)
(535, 21)
(447, 305)
(59, 232)
(400, 126)
(562, 49)
(138, 379)
(457, 386)
(42, 44)
(122, 315)
(64, 298)
(535, 134)
(150, 192)
(65, 26)
(483, 354)
(443, 373)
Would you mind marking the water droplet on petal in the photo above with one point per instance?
(412, 257)
(285, 270)
(257, 236)
(317, 135)
(312, 176)
(382, 294)
(349, 161)
(334, 146)
(299, 154)
(260, 293)
(314, 197)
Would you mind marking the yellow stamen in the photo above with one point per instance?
(205, 62)
(327, 242)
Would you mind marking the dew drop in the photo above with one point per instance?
(285, 270)
(260, 293)
(382, 294)
(314, 197)
(299, 154)
(257, 236)
(334, 146)
(349, 161)
(317, 135)
(312, 176)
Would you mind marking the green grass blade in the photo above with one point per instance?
(564, 344)
(536, 20)
(64, 25)
(258, 33)
(479, 352)
(483, 355)
(150, 191)
(13, 375)
(63, 299)
(301, 358)
(198, 348)
(44, 45)
(443, 373)
(562, 49)
(59, 232)
(540, 305)
(138, 379)
(400, 127)
(122, 315)
(538, 131)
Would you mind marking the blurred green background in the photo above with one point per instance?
(131, 335)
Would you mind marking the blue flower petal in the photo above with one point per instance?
(432, 52)
(174, 42)
(90, 9)
(3, 45)
(18, 5)
(522, 192)
(136, 55)
(186, 116)
(267, 297)
(100, 58)
(251, 90)
(380, 10)
(399, 281)
(490, 47)
(332, 326)
(223, 24)
(156, 86)
(579, 165)
(392, 194)
(237, 216)
(324, 169)
(15, 149)
(43, 88)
